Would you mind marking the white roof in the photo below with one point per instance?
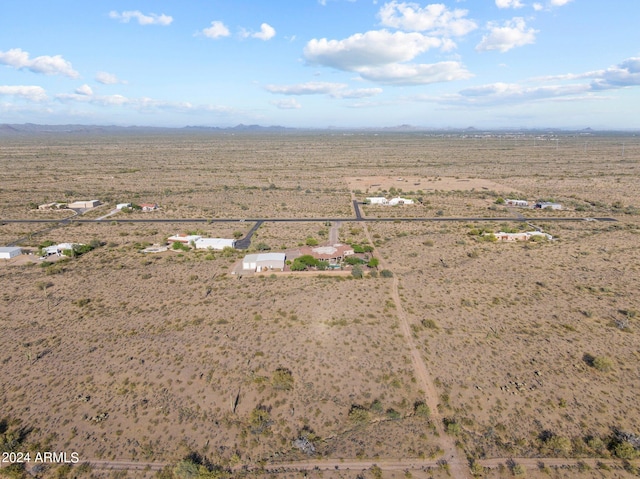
(256, 258)
(184, 238)
(9, 249)
(215, 243)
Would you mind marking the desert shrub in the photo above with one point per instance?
(352, 260)
(358, 415)
(259, 420)
(518, 470)
(310, 241)
(452, 426)
(625, 450)
(282, 379)
(376, 406)
(178, 246)
(557, 445)
(421, 409)
(385, 273)
(373, 263)
(263, 247)
(602, 363)
(429, 324)
(356, 272)
(500, 201)
(393, 414)
(303, 262)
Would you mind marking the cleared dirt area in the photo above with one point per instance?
(533, 349)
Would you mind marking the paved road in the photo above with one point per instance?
(313, 220)
(245, 242)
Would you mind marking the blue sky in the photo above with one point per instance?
(321, 63)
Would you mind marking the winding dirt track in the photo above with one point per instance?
(458, 465)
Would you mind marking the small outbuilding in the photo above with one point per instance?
(8, 252)
(120, 206)
(264, 262)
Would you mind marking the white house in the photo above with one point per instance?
(215, 243)
(377, 200)
(544, 205)
(263, 262)
(399, 201)
(8, 252)
(58, 248)
(519, 203)
(183, 238)
(119, 206)
(524, 236)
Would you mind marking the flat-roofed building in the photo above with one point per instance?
(8, 252)
(214, 243)
(264, 262)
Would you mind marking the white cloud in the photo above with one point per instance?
(308, 88)
(334, 90)
(509, 4)
(267, 32)
(381, 56)
(287, 104)
(550, 4)
(357, 93)
(370, 49)
(151, 19)
(28, 92)
(84, 90)
(107, 78)
(143, 104)
(216, 30)
(49, 65)
(624, 75)
(416, 74)
(513, 33)
(435, 18)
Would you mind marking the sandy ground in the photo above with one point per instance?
(129, 357)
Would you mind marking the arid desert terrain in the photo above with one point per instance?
(468, 358)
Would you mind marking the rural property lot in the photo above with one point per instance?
(532, 349)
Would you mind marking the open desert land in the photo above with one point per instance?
(471, 357)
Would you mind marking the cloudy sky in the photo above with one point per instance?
(320, 63)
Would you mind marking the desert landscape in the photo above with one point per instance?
(469, 357)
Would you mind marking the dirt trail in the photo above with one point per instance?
(458, 465)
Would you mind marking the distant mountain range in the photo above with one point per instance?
(28, 129)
